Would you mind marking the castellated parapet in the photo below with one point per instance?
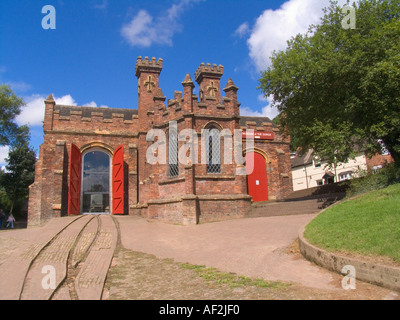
(208, 71)
(148, 65)
(89, 120)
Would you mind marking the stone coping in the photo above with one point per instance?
(222, 197)
(164, 201)
(381, 275)
(215, 177)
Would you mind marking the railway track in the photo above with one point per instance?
(73, 265)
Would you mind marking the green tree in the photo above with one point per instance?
(4, 200)
(338, 88)
(10, 107)
(19, 174)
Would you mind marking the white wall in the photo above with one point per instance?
(314, 174)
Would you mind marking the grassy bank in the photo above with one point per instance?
(368, 224)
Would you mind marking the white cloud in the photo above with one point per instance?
(66, 101)
(3, 155)
(267, 111)
(275, 27)
(242, 30)
(94, 105)
(140, 32)
(144, 29)
(33, 112)
(91, 104)
(262, 98)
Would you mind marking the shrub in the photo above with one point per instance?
(369, 181)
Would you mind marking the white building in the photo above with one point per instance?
(309, 171)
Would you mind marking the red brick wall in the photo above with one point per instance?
(85, 127)
(194, 196)
(377, 160)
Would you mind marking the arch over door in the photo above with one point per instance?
(118, 181)
(75, 176)
(257, 180)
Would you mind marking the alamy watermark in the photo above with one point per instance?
(206, 150)
(350, 20)
(349, 281)
(49, 280)
(49, 20)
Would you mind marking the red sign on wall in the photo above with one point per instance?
(258, 135)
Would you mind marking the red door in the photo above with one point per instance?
(118, 181)
(257, 178)
(75, 174)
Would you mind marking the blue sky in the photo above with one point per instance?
(89, 58)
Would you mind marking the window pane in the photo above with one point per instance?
(213, 146)
(96, 182)
(173, 168)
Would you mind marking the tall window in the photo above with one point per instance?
(213, 150)
(173, 167)
(96, 182)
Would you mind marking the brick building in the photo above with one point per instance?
(95, 160)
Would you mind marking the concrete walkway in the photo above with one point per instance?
(80, 249)
(252, 247)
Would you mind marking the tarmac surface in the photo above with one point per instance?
(70, 258)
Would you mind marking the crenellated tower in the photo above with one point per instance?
(150, 97)
(209, 79)
(148, 74)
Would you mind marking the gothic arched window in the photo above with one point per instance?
(173, 167)
(213, 150)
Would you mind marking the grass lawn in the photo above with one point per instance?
(368, 224)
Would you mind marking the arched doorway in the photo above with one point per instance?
(96, 186)
(96, 181)
(257, 178)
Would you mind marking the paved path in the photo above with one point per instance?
(81, 249)
(252, 247)
(67, 259)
